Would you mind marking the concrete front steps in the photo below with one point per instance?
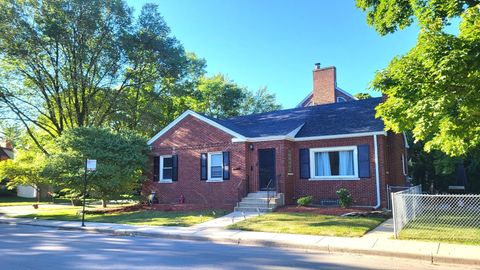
(258, 202)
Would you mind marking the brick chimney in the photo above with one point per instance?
(324, 82)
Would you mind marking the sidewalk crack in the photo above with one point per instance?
(374, 243)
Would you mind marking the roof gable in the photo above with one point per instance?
(199, 117)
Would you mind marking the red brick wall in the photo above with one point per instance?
(280, 157)
(188, 139)
(396, 147)
(363, 190)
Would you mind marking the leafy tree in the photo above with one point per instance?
(121, 161)
(220, 97)
(26, 169)
(259, 101)
(362, 95)
(74, 63)
(433, 90)
(437, 170)
(149, 108)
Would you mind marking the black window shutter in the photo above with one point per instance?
(203, 166)
(363, 160)
(226, 165)
(174, 168)
(304, 163)
(156, 169)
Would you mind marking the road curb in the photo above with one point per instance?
(432, 258)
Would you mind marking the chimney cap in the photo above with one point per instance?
(317, 65)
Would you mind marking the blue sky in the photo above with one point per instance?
(275, 43)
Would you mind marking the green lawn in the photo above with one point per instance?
(152, 218)
(300, 223)
(462, 229)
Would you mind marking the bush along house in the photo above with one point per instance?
(257, 162)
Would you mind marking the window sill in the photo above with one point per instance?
(335, 179)
(165, 181)
(214, 180)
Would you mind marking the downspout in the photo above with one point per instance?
(377, 176)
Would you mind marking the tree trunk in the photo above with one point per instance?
(104, 203)
(38, 193)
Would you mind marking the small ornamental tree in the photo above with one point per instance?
(121, 161)
(26, 169)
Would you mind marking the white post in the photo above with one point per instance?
(395, 233)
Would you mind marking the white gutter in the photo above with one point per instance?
(377, 176)
(292, 137)
(405, 141)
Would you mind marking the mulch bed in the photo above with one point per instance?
(334, 211)
(129, 208)
(154, 207)
(177, 207)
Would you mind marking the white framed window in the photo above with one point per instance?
(341, 99)
(334, 163)
(215, 166)
(166, 169)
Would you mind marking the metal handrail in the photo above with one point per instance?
(238, 192)
(268, 192)
(245, 192)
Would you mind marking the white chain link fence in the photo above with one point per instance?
(452, 218)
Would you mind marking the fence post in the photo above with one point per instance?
(395, 233)
(388, 197)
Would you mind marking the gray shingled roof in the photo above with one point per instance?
(356, 116)
(6, 152)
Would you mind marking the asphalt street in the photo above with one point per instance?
(32, 247)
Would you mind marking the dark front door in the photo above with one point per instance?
(266, 168)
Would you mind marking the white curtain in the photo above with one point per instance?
(322, 164)
(346, 162)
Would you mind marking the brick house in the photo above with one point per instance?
(6, 150)
(329, 141)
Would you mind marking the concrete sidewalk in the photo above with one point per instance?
(430, 251)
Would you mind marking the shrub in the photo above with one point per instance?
(344, 197)
(304, 201)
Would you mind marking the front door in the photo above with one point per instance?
(266, 168)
